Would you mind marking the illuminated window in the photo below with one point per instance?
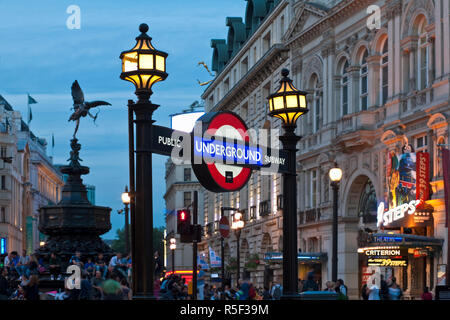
(423, 57)
(384, 73)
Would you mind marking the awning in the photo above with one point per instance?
(404, 240)
(303, 257)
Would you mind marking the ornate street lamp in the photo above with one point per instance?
(335, 176)
(237, 224)
(143, 65)
(126, 201)
(288, 104)
(173, 246)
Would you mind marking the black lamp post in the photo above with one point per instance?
(289, 104)
(335, 176)
(173, 246)
(143, 65)
(126, 202)
(237, 225)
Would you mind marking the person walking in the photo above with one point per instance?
(200, 283)
(364, 294)
(394, 291)
(330, 286)
(4, 285)
(54, 266)
(373, 292)
(384, 290)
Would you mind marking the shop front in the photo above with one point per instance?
(307, 262)
(411, 259)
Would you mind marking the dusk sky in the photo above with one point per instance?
(41, 56)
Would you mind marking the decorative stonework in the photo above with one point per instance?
(410, 13)
(313, 65)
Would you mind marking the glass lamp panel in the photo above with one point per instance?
(278, 103)
(270, 104)
(135, 79)
(302, 101)
(283, 117)
(335, 174)
(282, 87)
(129, 62)
(160, 63)
(291, 101)
(146, 45)
(146, 61)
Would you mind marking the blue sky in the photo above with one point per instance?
(40, 55)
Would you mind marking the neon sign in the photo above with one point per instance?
(2, 245)
(397, 213)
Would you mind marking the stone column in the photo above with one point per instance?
(373, 80)
(353, 97)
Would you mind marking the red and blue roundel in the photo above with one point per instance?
(210, 156)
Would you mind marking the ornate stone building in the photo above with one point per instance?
(370, 90)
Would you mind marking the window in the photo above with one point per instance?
(363, 82)
(317, 102)
(281, 27)
(423, 56)
(313, 190)
(226, 86)
(266, 42)
(3, 152)
(244, 111)
(244, 66)
(421, 144)
(344, 89)
(3, 215)
(384, 73)
(187, 201)
(187, 174)
(3, 183)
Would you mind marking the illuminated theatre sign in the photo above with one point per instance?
(407, 179)
(220, 151)
(385, 256)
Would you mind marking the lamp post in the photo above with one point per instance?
(288, 104)
(126, 202)
(143, 65)
(335, 176)
(173, 246)
(237, 225)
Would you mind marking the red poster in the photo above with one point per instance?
(422, 176)
(446, 172)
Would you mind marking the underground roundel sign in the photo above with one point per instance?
(218, 139)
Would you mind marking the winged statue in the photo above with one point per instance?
(82, 108)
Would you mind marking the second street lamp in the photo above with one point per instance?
(237, 224)
(335, 176)
(143, 65)
(288, 104)
(173, 246)
(126, 202)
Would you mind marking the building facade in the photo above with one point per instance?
(28, 181)
(371, 91)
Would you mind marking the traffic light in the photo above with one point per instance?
(183, 221)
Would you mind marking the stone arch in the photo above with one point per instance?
(376, 46)
(412, 11)
(266, 244)
(314, 65)
(358, 50)
(354, 188)
(340, 61)
(244, 252)
(437, 120)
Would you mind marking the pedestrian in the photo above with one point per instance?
(394, 291)
(100, 265)
(384, 291)
(4, 284)
(112, 290)
(310, 284)
(54, 266)
(266, 294)
(427, 295)
(373, 292)
(200, 283)
(97, 285)
(158, 264)
(342, 288)
(86, 287)
(364, 294)
(32, 288)
(277, 291)
(330, 286)
(125, 289)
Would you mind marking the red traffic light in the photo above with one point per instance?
(183, 221)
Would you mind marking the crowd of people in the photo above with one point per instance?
(100, 278)
(109, 279)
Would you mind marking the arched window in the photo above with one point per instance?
(423, 57)
(344, 89)
(363, 93)
(317, 102)
(367, 208)
(384, 73)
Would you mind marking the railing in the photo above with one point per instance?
(309, 216)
